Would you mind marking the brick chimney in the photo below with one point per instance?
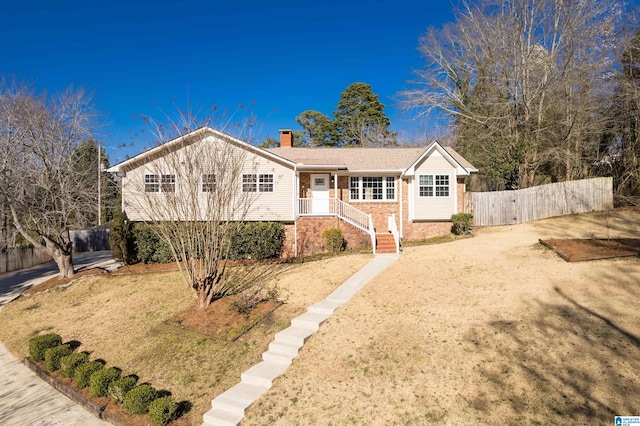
(286, 138)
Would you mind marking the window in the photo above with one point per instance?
(257, 183)
(430, 185)
(265, 183)
(372, 188)
(168, 183)
(208, 183)
(151, 183)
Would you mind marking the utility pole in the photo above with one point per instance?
(99, 186)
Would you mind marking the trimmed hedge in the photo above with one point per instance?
(39, 344)
(69, 363)
(461, 223)
(52, 356)
(121, 239)
(100, 380)
(333, 240)
(119, 388)
(150, 248)
(84, 371)
(162, 410)
(137, 400)
(257, 240)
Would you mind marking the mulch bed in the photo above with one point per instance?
(578, 250)
(222, 320)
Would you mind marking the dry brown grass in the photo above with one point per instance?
(121, 319)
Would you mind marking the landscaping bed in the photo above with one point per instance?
(578, 250)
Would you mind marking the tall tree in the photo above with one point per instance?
(621, 143)
(360, 114)
(317, 129)
(524, 82)
(44, 191)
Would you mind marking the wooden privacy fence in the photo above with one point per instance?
(20, 258)
(90, 240)
(539, 202)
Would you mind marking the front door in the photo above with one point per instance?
(320, 193)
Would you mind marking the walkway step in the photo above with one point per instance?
(263, 374)
(278, 357)
(324, 307)
(286, 349)
(294, 336)
(218, 417)
(238, 398)
(310, 320)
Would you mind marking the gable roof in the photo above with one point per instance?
(391, 160)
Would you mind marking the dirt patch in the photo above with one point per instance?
(578, 250)
(222, 319)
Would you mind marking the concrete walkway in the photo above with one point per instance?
(26, 400)
(229, 407)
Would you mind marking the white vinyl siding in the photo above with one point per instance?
(275, 181)
(434, 189)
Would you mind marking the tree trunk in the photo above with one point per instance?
(65, 264)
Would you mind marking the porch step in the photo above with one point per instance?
(385, 243)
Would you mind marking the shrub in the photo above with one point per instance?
(461, 223)
(69, 363)
(150, 248)
(257, 240)
(100, 380)
(122, 240)
(137, 400)
(162, 410)
(119, 387)
(39, 344)
(53, 355)
(333, 240)
(84, 371)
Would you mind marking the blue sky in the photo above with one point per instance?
(279, 58)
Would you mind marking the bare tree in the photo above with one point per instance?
(190, 194)
(524, 82)
(42, 189)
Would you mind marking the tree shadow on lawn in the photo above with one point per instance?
(567, 362)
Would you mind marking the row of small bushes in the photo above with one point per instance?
(139, 242)
(101, 381)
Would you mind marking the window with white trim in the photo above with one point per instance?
(159, 183)
(208, 183)
(433, 185)
(257, 182)
(151, 183)
(372, 188)
(168, 183)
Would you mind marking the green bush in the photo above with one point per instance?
(122, 240)
(461, 223)
(333, 240)
(39, 344)
(137, 400)
(53, 355)
(84, 371)
(69, 363)
(119, 387)
(100, 380)
(150, 248)
(162, 410)
(257, 240)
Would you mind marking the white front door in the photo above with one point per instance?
(320, 193)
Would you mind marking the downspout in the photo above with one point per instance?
(401, 209)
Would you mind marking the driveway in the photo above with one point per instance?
(24, 398)
(15, 282)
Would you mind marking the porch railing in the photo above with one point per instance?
(393, 228)
(335, 207)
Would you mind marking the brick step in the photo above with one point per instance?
(385, 243)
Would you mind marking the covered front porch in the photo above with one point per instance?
(323, 194)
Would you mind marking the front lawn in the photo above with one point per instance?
(122, 319)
